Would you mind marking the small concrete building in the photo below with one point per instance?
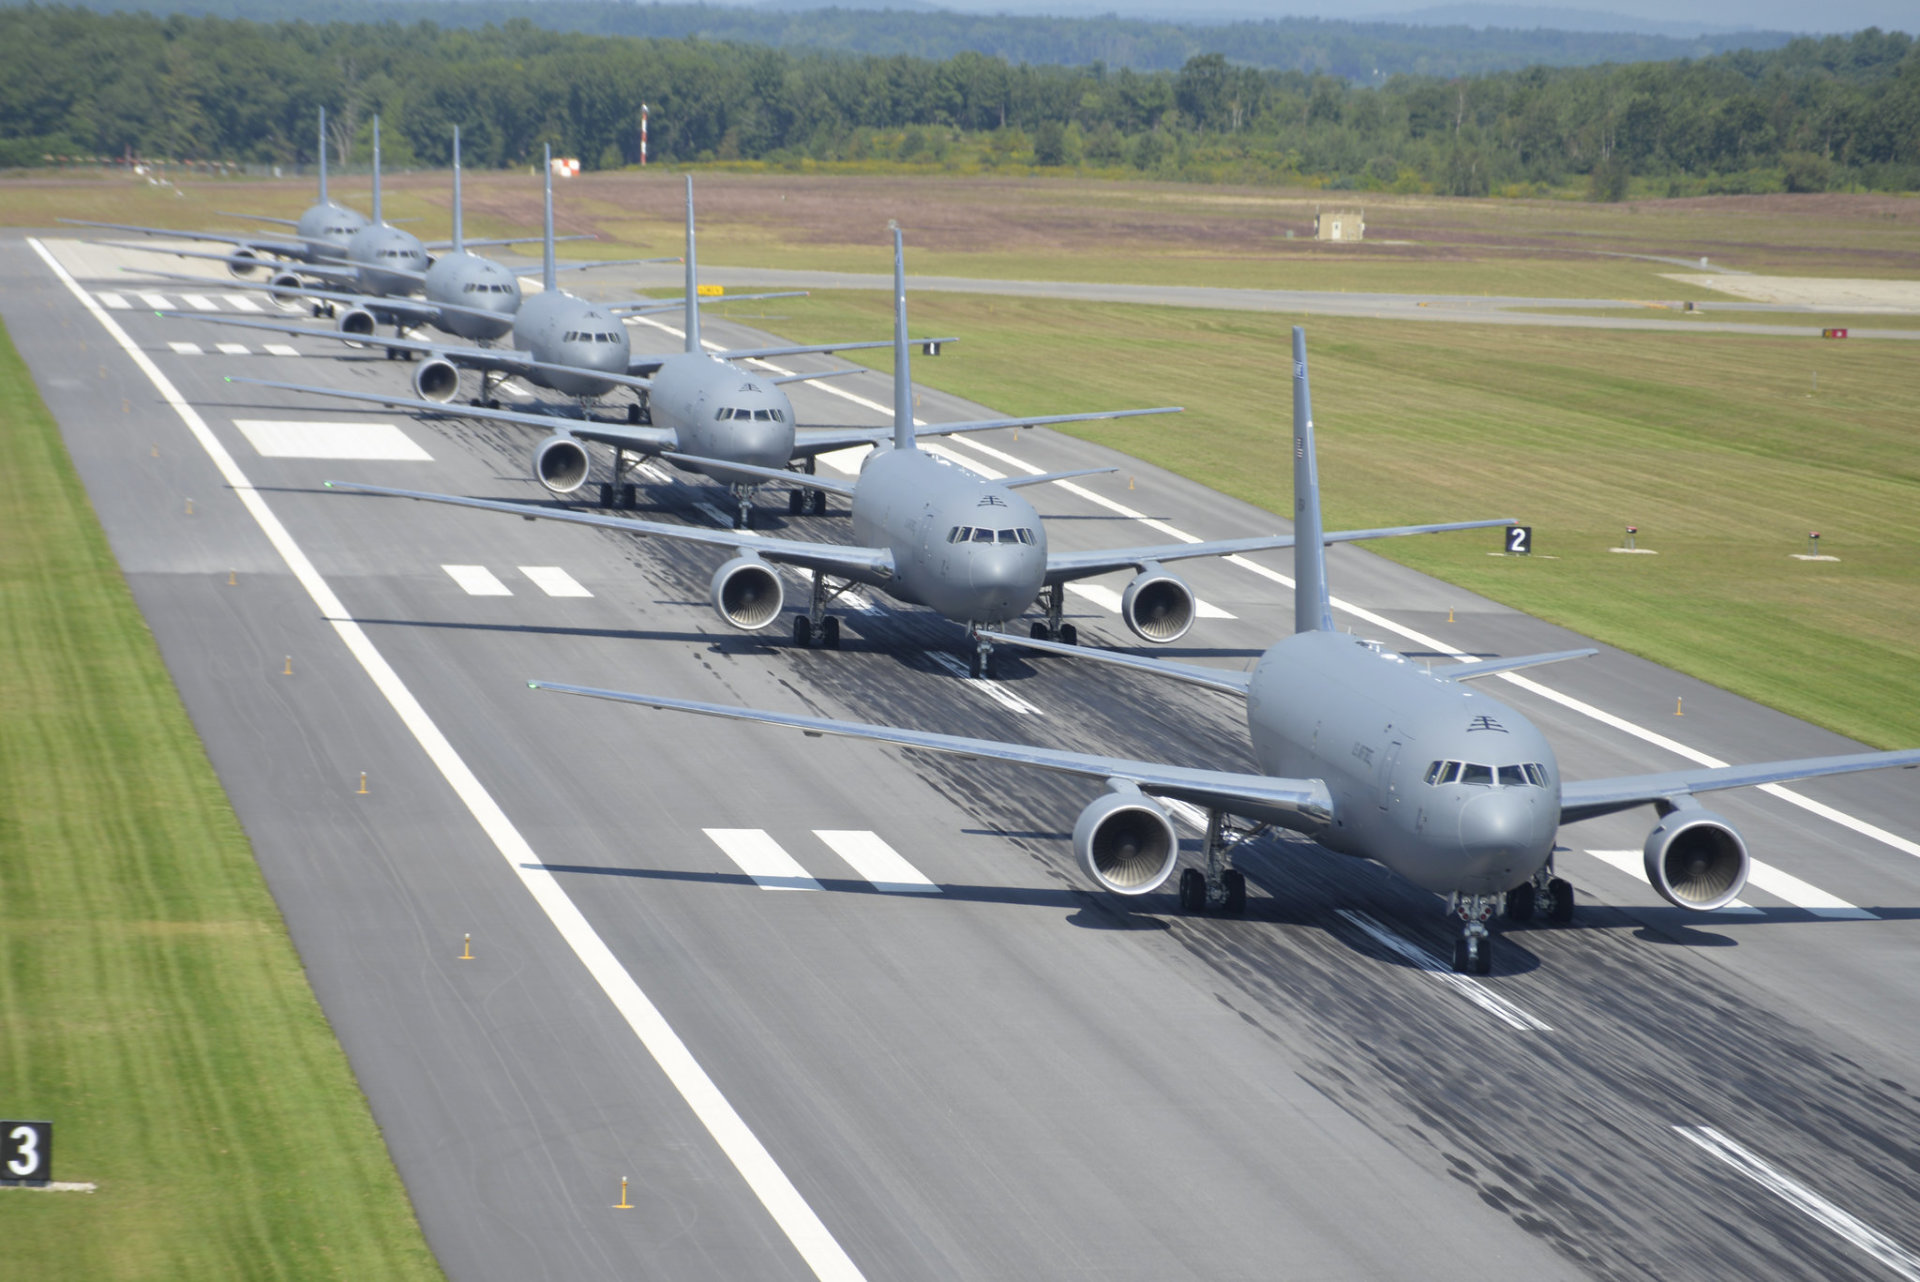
(1339, 224)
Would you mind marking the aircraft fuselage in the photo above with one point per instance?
(719, 411)
(461, 279)
(560, 329)
(376, 249)
(1453, 790)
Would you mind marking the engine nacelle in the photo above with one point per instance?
(245, 263)
(438, 379)
(359, 322)
(746, 592)
(286, 280)
(561, 463)
(1696, 859)
(1126, 843)
(1158, 606)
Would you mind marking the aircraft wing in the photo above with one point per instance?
(1065, 567)
(820, 440)
(1225, 680)
(641, 306)
(437, 245)
(832, 558)
(1042, 478)
(642, 440)
(773, 475)
(417, 311)
(259, 218)
(1487, 667)
(1301, 804)
(285, 248)
(331, 270)
(1591, 798)
(804, 349)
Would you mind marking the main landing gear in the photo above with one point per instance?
(805, 500)
(1052, 629)
(623, 491)
(1543, 893)
(1221, 886)
(816, 623)
(486, 400)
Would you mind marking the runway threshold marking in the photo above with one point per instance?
(232, 349)
(281, 349)
(185, 349)
(241, 303)
(554, 581)
(1467, 986)
(870, 856)
(116, 302)
(159, 302)
(199, 302)
(776, 1193)
(1844, 1224)
(284, 438)
(762, 858)
(477, 580)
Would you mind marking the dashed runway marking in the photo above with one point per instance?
(185, 349)
(281, 349)
(554, 581)
(878, 862)
(159, 302)
(477, 580)
(199, 302)
(116, 302)
(241, 303)
(762, 858)
(231, 349)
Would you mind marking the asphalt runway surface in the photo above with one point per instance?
(806, 1062)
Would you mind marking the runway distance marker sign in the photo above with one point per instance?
(26, 1151)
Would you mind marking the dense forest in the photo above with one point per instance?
(1808, 116)
(1364, 52)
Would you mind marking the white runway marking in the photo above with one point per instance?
(1632, 863)
(380, 442)
(116, 302)
(199, 302)
(783, 1202)
(847, 460)
(1108, 599)
(185, 349)
(159, 302)
(554, 581)
(992, 689)
(1806, 1201)
(1800, 894)
(281, 349)
(1468, 987)
(720, 518)
(231, 349)
(512, 389)
(241, 303)
(878, 862)
(477, 580)
(761, 858)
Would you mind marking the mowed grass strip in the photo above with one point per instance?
(1725, 451)
(151, 1003)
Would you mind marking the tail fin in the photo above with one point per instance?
(693, 279)
(902, 374)
(323, 155)
(549, 275)
(1311, 612)
(377, 219)
(459, 235)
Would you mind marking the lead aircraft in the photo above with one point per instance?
(932, 533)
(1372, 756)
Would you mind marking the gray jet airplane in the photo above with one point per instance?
(936, 534)
(320, 235)
(1371, 756)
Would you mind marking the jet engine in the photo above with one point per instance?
(1158, 606)
(244, 263)
(438, 379)
(560, 462)
(286, 280)
(1695, 859)
(1125, 842)
(746, 593)
(359, 322)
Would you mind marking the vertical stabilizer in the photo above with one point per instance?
(692, 304)
(323, 155)
(1311, 613)
(902, 373)
(549, 275)
(378, 219)
(459, 235)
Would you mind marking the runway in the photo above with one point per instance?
(994, 1072)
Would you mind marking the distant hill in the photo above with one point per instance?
(1362, 52)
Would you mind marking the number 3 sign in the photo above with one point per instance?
(26, 1150)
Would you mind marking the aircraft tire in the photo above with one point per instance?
(1038, 632)
(796, 502)
(1236, 883)
(1562, 891)
(1462, 956)
(493, 402)
(1520, 902)
(606, 495)
(1069, 635)
(819, 507)
(830, 634)
(803, 631)
(1193, 891)
(1483, 956)
(629, 495)
(633, 413)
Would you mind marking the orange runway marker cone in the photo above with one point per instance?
(288, 670)
(623, 1204)
(1677, 703)
(466, 948)
(363, 784)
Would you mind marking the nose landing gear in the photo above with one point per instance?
(1473, 951)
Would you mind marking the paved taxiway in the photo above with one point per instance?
(1012, 1076)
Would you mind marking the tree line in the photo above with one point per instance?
(1812, 114)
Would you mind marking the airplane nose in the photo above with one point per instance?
(1496, 831)
(1007, 577)
(763, 444)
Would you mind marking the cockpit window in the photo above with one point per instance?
(763, 416)
(1026, 535)
(983, 536)
(1536, 774)
(960, 534)
(1512, 777)
(1470, 773)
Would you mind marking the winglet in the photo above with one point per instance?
(378, 221)
(323, 155)
(459, 236)
(902, 373)
(1311, 611)
(693, 279)
(549, 276)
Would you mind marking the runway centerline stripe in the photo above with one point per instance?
(1631, 863)
(1472, 989)
(870, 856)
(796, 1218)
(1806, 1201)
(992, 689)
(554, 581)
(762, 858)
(477, 580)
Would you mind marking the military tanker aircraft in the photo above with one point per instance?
(1370, 755)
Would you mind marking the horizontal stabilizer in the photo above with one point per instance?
(1487, 667)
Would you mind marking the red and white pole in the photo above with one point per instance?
(643, 135)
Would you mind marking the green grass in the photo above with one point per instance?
(1714, 445)
(151, 1003)
(1733, 315)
